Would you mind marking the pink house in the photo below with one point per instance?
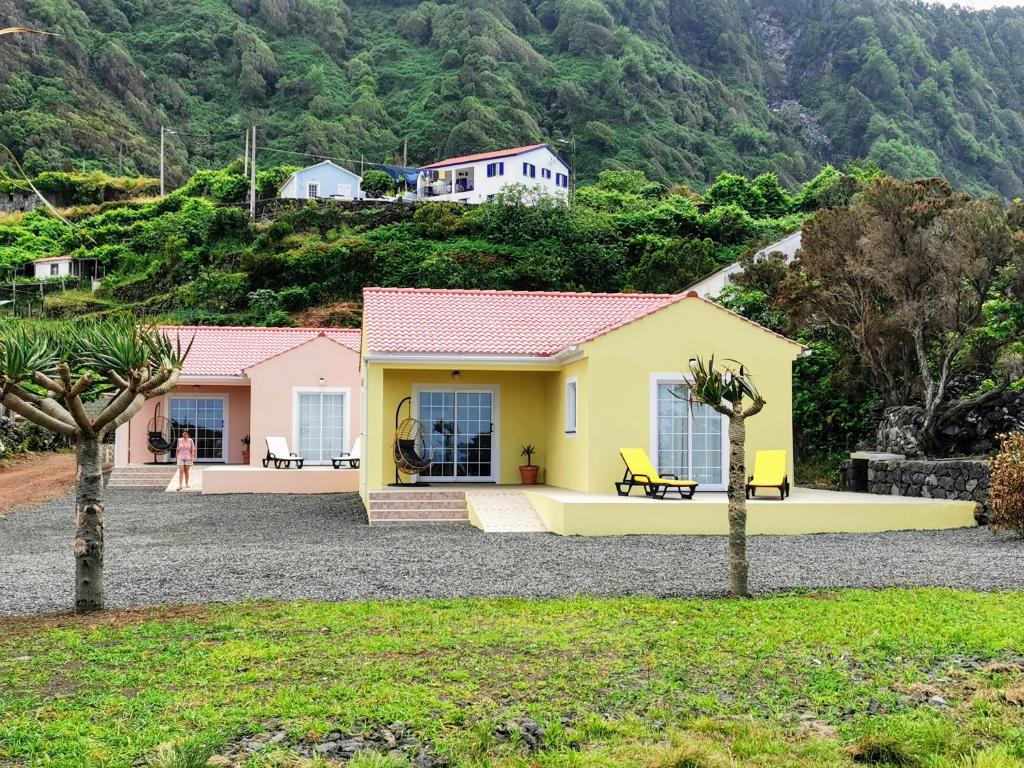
(298, 383)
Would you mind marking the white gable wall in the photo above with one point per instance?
(331, 182)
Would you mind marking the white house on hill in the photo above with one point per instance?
(53, 266)
(478, 178)
(711, 285)
(324, 180)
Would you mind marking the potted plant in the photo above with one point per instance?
(245, 449)
(529, 472)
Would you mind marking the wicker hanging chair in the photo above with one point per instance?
(159, 434)
(409, 447)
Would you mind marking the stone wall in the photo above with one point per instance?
(964, 479)
(18, 202)
(972, 434)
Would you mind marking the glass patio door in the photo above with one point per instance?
(203, 417)
(460, 428)
(321, 427)
(691, 438)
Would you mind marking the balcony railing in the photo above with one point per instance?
(445, 188)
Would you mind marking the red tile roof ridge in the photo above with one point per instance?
(519, 292)
(260, 328)
(477, 156)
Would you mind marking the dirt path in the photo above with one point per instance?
(35, 479)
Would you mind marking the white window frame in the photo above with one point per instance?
(313, 190)
(572, 417)
(674, 377)
(225, 451)
(347, 415)
(495, 392)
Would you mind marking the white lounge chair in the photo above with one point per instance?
(351, 458)
(277, 452)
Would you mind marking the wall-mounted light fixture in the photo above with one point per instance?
(195, 387)
(322, 380)
(693, 363)
(456, 375)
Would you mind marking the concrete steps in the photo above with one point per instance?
(417, 507)
(142, 476)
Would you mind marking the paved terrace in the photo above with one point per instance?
(166, 548)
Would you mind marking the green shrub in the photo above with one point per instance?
(294, 299)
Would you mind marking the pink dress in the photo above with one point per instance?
(186, 451)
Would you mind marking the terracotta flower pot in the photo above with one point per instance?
(245, 457)
(529, 474)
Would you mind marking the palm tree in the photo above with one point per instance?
(46, 374)
(724, 388)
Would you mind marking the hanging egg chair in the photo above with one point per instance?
(410, 446)
(159, 435)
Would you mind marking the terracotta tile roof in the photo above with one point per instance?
(495, 322)
(528, 323)
(481, 156)
(228, 351)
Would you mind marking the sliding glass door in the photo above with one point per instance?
(460, 428)
(690, 438)
(203, 417)
(320, 432)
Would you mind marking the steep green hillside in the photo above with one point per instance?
(682, 89)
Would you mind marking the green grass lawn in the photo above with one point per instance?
(923, 677)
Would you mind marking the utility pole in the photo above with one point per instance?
(405, 153)
(163, 133)
(120, 157)
(161, 161)
(245, 169)
(252, 176)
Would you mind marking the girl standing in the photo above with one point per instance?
(186, 455)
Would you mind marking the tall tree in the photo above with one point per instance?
(45, 374)
(730, 390)
(904, 274)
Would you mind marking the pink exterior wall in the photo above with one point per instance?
(132, 447)
(274, 382)
(258, 480)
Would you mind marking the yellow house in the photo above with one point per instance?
(576, 375)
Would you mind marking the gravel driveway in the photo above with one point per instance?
(167, 548)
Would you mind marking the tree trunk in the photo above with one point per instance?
(89, 519)
(737, 494)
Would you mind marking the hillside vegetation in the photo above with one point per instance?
(681, 90)
(194, 255)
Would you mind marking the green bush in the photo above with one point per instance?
(294, 298)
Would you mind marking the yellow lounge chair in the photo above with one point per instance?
(641, 472)
(769, 472)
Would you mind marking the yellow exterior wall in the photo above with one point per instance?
(566, 460)
(521, 412)
(621, 364)
(613, 395)
(583, 515)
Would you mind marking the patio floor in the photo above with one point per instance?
(507, 508)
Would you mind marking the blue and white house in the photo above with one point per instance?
(324, 180)
(480, 177)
